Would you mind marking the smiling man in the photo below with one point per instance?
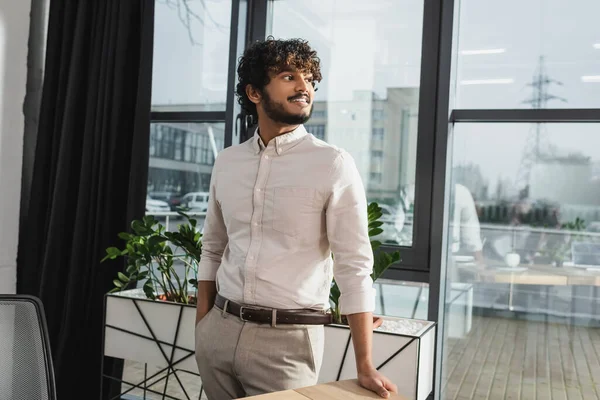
(279, 205)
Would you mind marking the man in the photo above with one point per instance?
(279, 204)
(466, 232)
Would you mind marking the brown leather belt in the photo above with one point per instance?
(265, 315)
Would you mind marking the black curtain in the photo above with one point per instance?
(89, 174)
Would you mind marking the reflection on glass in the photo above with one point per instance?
(182, 156)
(191, 42)
(543, 56)
(525, 247)
(368, 100)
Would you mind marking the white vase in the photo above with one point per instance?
(512, 259)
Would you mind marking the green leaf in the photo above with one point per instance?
(149, 221)
(375, 232)
(111, 253)
(141, 229)
(123, 277)
(375, 224)
(149, 292)
(125, 236)
(118, 283)
(153, 241)
(334, 293)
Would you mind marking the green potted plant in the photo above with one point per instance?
(152, 254)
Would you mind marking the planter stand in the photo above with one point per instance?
(155, 333)
(403, 350)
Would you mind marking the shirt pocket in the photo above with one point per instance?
(293, 209)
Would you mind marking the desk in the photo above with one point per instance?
(537, 274)
(341, 390)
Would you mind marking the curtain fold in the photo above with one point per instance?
(89, 173)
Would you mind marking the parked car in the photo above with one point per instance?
(172, 198)
(195, 201)
(153, 205)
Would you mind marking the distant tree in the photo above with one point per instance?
(188, 13)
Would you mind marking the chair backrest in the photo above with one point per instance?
(26, 371)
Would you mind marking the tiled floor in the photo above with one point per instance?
(525, 360)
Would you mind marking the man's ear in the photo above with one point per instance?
(253, 94)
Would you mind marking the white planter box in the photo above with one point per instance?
(409, 299)
(405, 356)
(161, 334)
(134, 326)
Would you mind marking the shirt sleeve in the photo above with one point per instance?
(214, 237)
(348, 235)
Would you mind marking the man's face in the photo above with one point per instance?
(288, 97)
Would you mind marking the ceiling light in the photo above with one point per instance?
(590, 78)
(596, 46)
(502, 81)
(482, 51)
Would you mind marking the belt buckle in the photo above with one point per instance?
(242, 312)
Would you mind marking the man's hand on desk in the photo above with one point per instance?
(374, 381)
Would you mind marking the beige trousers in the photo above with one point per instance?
(238, 359)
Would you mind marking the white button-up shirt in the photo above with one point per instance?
(274, 217)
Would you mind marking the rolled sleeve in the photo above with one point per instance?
(214, 238)
(348, 235)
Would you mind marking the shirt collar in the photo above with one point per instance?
(282, 143)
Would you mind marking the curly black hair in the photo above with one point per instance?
(270, 57)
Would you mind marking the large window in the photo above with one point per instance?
(524, 241)
(523, 204)
(528, 54)
(368, 100)
(190, 100)
(384, 98)
(190, 55)
(181, 158)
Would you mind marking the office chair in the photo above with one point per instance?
(26, 371)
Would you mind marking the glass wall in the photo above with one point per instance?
(524, 240)
(368, 100)
(523, 235)
(528, 54)
(190, 65)
(181, 159)
(190, 61)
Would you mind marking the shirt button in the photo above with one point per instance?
(255, 224)
(266, 157)
(258, 190)
(250, 257)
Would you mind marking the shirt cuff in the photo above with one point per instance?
(207, 270)
(358, 302)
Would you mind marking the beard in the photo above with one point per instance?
(276, 111)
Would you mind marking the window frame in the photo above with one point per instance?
(446, 118)
(250, 22)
